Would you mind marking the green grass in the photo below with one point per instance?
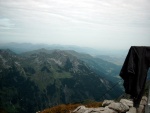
(57, 75)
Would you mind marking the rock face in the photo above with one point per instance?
(109, 106)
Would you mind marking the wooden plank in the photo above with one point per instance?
(147, 107)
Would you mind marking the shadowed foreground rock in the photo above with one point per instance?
(110, 106)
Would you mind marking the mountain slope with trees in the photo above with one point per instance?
(39, 79)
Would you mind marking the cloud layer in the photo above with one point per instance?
(93, 23)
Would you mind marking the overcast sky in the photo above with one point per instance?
(88, 23)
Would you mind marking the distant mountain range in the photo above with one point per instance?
(34, 80)
(113, 56)
(24, 47)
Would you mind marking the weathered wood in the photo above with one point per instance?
(147, 107)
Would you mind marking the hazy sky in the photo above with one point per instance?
(90, 23)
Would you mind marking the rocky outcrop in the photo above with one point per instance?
(110, 106)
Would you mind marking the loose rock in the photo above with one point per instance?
(124, 106)
(132, 110)
(143, 100)
(127, 102)
(107, 102)
(80, 109)
(121, 107)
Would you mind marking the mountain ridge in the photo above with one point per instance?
(24, 47)
(47, 79)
